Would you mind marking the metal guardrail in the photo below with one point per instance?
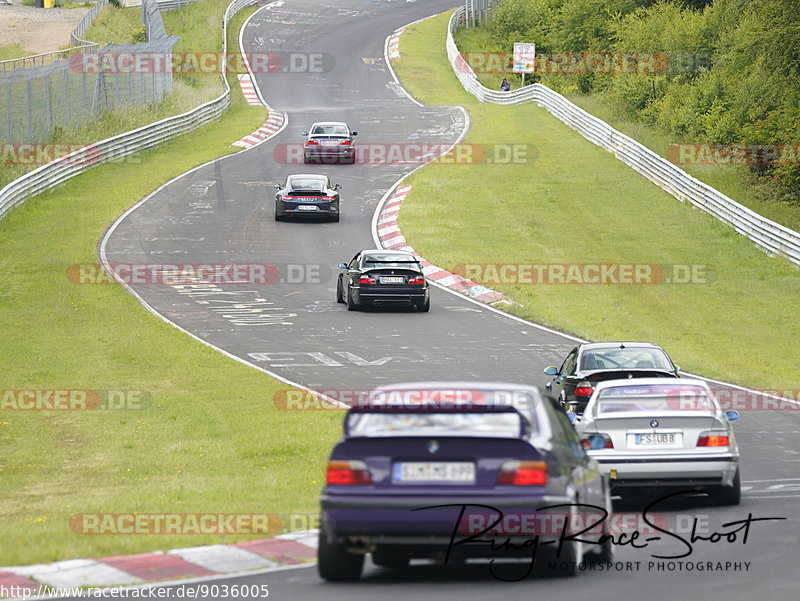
(43, 58)
(766, 234)
(83, 25)
(162, 4)
(64, 168)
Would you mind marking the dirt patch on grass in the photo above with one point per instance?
(38, 29)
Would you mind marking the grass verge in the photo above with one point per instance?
(736, 182)
(570, 203)
(210, 441)
(9, 51)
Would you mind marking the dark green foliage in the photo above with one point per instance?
(732, 66)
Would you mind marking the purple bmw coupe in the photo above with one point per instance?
(452, 472)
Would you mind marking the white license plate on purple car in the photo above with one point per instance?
(461, 472)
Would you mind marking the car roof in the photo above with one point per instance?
(646, 381)
(599, 345)
(388, 250)
(308, 176)
(329, 123)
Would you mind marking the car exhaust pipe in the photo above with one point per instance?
(359, 544)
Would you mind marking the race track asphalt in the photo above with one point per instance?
(223, 213)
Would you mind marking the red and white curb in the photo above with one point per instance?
(274, 124)
(249, 90)
(192, 562)
(394, 43)
(392, 238)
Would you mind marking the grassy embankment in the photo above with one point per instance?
(210, 440)
(572, 202)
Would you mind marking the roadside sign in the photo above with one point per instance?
(524, 56)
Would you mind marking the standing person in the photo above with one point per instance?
(505, 86)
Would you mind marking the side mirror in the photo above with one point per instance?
(303, 133)
(337, 187)
(572, 417)
(353, 133)
(732, 415)
(551, 371)
(277, 186)
(342, 266)
(677, 368)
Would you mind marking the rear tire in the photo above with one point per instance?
(424, 306)
(278, 217)
(335, 218)
(339, 298)
(730, 495)
(306, 159)
(566, 565)
(351, 306)
(337, 564)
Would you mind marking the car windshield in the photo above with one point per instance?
(506, 424)
(329, 130)
(625, 358)
(307, 183)
(388, 259)
(655, 398)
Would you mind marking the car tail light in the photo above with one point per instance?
(419, 281)
(712, 439)
(287, 198)
(352, 472)
(311, 142)
(584, 389)
(346, 142)
(328, 198)
(367, 280)
(586, 440)
(523, 473)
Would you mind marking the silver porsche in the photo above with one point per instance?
(650, 433)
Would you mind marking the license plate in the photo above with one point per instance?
(330, 142)
(658, 439)
(434, 471)
(392, 280)
(307, 208)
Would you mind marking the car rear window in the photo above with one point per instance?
(313, 184)
(648, 399)
(505, 424)
(329, 130)
(627, 358)
(389, 260)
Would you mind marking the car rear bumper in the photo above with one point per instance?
(329, 152)
(400, 296)
(421, 521)
(691, 470)
(321, 209)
